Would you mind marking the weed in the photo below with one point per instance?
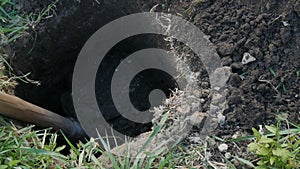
(277, 151)
(242, 76)
(278, 148)
(272, 72)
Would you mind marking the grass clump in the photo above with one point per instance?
(26, 148)
(29, 148)
(14, 25)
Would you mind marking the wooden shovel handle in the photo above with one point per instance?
(16, 108)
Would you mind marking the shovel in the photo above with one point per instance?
(18, 109)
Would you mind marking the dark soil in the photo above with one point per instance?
(268, 30)
(257, 27)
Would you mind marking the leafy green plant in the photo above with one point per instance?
(277, 151)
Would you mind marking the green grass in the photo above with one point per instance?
(27, 148)
(272, 71)
(14, 25)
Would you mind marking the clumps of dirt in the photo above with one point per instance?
(269, 32)
(266, 87)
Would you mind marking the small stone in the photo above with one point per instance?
(197, 118)
(285, 35)
(285, 23)
(236, 135)
(184, 109)
(221, 119)
(256, 52)
(216, 88)
(258, 32)
(202, 100)
(228, 155)
(287, 51)
(236, 162)
(248, 58)
(223, 147)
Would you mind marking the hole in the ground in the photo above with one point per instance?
(50, 56)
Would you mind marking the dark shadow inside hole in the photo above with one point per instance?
(145, 82)
(139, 98)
